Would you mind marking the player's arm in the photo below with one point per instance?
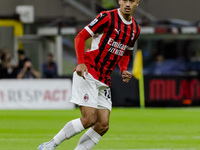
(98, 25)
(80, 48)
(123, 65)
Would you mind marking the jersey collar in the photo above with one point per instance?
(122, 18)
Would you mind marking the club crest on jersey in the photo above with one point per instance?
(93, 22)
(132, 36)
(86, 97)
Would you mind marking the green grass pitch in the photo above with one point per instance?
(130, 129)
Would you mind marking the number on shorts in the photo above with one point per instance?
(107, 93)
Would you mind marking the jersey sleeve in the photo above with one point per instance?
(124, 61)
(80, 45)
(99, 24)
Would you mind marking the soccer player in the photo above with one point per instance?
(113, 36)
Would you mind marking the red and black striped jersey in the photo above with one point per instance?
(112, 36)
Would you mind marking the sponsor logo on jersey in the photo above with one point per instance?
(94, 22)
(86, 97)
(117, 31)
(116, 48)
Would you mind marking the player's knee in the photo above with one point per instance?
(89, 120)
(103, 127)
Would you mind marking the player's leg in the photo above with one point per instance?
(84, 93)
(93, 135)
(102, 124)
(88, 116)
(74, 127)
(69, 130)
(88, 119)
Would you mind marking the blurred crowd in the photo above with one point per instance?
(172, 66)
(24, 69)
(158, 65)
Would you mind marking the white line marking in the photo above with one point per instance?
(154, 149)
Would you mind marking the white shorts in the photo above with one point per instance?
(90, 92)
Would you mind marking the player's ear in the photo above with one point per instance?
(119, 1)
(138, 1)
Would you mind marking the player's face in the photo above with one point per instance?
(128, 6)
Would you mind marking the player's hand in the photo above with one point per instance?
(81, 69)
(126, 76)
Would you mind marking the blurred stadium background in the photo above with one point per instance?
(170, 44)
